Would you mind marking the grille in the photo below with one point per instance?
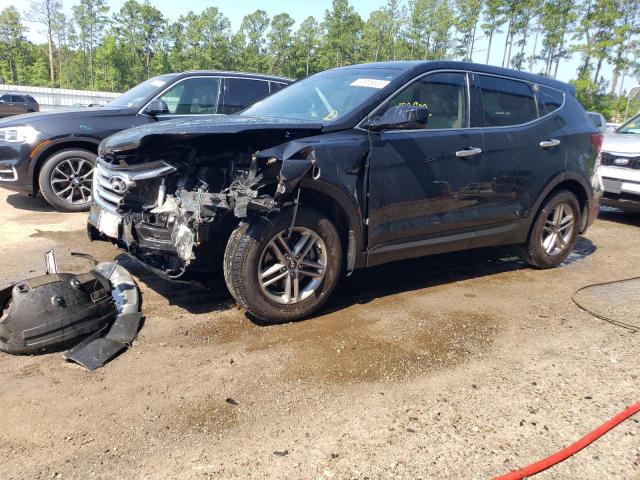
(103, 193)
(609, 159)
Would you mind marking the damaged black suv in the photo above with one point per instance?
(350, 168)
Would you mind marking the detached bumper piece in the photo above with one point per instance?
(100, 308)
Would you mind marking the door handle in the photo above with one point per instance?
(468, 152)
(554, 142)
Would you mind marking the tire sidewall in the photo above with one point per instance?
(44, 179)
(542, 259)
(261, 233)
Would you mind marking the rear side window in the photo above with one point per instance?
(506, 102)
(550, 99)
(17, 98)
(242, 92)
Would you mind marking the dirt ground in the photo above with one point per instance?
(460, 366)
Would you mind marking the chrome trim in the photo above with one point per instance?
(359, 126)
(103, 192)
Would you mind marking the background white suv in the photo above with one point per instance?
(620, 170)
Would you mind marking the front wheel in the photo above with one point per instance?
(280, 275)
(554, 232)
(66, 178)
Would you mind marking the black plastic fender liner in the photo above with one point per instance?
(53, 310)
(99, 348)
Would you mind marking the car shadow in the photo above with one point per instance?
(367, 285)
(209, 293)
(32, 204)
(620, 216)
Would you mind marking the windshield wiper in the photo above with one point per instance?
(327, 105)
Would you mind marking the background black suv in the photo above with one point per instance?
(54, 152)
(15, 104)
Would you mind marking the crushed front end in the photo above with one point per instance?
(173, 200)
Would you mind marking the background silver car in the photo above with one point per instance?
(620, 170)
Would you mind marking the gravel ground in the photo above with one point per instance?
(459, 366)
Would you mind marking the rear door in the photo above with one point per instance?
(19, 104)
(522, 146)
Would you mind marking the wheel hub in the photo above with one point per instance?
(292, 265)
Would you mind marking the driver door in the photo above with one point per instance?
(423, 183)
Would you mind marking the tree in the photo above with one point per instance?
(305, 46)
(343, 31)
(466, 23)
(557, 19)
(626, 47)
(376, 37)
(252, 41)
(280, 44)
(493, 20)
(46, 12)
(91, 18)
(12, 39)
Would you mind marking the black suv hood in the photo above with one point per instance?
(183, 129)
(58, 116)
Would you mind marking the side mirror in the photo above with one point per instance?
(401, 117)
(157, 107)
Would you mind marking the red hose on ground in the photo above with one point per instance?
(572, 449)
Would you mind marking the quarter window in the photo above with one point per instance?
(506, 102)
(443, 94)
(242, 92)
(550, 99)
(194, 96)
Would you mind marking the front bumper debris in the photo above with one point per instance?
(100, 309)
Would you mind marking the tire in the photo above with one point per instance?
(52, 183)
(543, 251)
(253, 248)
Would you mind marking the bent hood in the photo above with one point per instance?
(166, 132)
(621, 143)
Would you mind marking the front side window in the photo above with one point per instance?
(242, 92)
(443, 94)
(5, 98)
(506, 102)
(193, 96)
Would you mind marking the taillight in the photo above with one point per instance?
(596, 139)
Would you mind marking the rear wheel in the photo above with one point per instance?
(280, 276)
(554, 231)
(66, 179)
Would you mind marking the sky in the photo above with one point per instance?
(299, 10)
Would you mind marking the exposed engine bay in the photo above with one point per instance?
(174, 196)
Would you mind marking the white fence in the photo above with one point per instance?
(60, 98)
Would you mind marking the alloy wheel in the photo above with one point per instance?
(292, 266)
(558, 229)
(71, 181)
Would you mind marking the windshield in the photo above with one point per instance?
(632, 126)
(135, 97)
(326, 96)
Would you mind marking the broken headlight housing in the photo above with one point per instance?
(18, 134)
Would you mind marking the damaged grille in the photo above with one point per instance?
(104, 192)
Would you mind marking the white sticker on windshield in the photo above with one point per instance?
(158, 83)
(370, 83)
